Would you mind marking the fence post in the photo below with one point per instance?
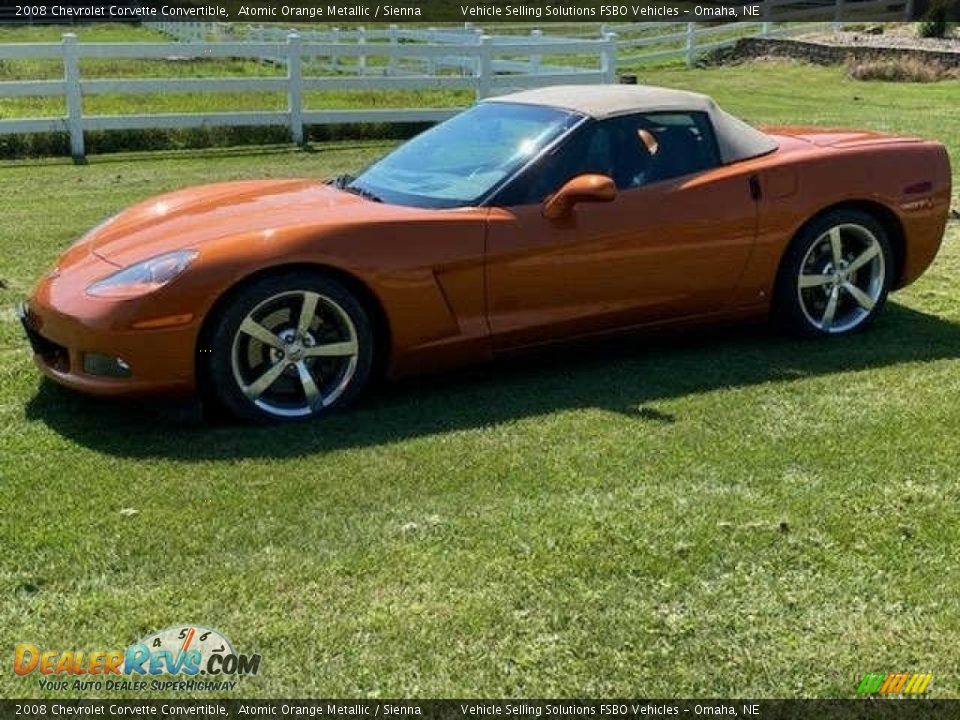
(477, 35)
(431, 60)
(393, 34)
(334, 55)
(362, 58)
(608, 58)
(535, 57)
(908, 10)
(485, 67)
(765, 25)
(691, 43)
(838, 16)
(294, 88)
(71, 76)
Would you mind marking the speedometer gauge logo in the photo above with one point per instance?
(189, 650)
(183, 639)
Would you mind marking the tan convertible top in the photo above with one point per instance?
(736, 139)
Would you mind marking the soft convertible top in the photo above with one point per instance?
(735, 139)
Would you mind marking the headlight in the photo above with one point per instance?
(144, 277)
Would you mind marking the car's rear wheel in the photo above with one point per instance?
(289, 347)
(836, 275)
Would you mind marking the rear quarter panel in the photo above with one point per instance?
(803, 179)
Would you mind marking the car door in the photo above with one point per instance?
(672, 244)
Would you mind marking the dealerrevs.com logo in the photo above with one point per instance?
(205, 658)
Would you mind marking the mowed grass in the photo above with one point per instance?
(729, 513)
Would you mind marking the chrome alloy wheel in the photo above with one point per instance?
(295, 353)
(841, 278)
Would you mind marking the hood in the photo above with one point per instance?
(191, 217)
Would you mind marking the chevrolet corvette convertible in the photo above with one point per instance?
(534, 217)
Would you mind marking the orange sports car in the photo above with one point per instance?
(533, 217)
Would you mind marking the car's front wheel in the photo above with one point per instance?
(290, 346)
(836, 275)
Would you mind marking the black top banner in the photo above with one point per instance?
(476, 11)
(866, 709)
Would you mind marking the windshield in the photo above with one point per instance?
(458, 162)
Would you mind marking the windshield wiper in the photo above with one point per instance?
(362, 192)
(342, 182)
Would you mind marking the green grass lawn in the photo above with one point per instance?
(725, 513)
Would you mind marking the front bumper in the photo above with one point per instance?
(161, 361)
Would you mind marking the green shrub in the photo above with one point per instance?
(110, 141)
(934, 23)
(900, 69)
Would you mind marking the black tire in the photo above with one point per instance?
(234, 361)
(805, 310)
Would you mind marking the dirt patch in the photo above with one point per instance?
(873, 49)
(899, 36)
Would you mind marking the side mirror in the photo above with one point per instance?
(583, 188)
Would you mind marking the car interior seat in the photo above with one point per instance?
(681, 151)
(633, 167)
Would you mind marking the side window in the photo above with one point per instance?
(661, 146)
(590, 149)
(633, 150)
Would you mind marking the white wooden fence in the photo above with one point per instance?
(638, 43)
(487, 77)
(391, 58)
(454, 37)
(643, 43)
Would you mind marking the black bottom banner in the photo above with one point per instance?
(475, 709)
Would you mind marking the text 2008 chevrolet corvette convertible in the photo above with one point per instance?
(528, 218)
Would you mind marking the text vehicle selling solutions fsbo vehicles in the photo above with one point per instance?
(540, 216)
